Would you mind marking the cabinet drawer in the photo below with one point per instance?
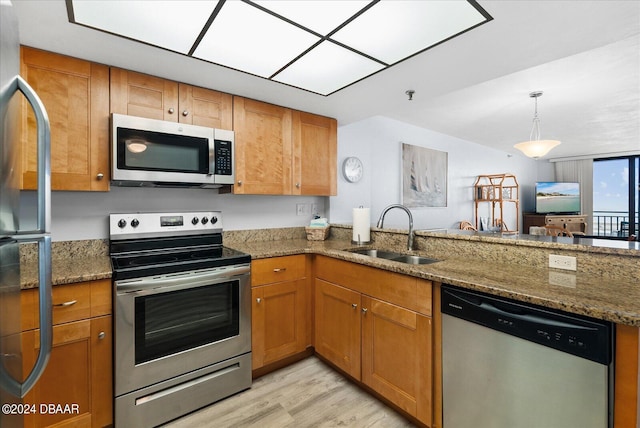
(278, 269)
(402, 290)
(71, 302)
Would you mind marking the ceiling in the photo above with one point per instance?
(584, 55)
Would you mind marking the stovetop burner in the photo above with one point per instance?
(154, 244)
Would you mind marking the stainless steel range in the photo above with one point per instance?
(182, 313)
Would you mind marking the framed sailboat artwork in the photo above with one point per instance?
(424, 177)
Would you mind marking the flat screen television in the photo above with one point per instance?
(554, 197)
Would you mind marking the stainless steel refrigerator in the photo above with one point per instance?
(15, 380)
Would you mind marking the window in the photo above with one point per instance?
(616, 195)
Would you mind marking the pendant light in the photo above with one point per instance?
(536, 147)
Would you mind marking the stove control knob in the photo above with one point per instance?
(122, 223)
(204, 220)
(194, 221)
(135, 222)
(214, 220)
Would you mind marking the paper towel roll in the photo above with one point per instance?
(361, 225)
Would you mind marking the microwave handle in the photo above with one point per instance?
(212, 156)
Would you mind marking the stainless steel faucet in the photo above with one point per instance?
(402, 207)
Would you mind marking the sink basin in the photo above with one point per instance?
(396, 257)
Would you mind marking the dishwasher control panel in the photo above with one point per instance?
(577, 335)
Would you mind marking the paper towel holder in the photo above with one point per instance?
(359, 241)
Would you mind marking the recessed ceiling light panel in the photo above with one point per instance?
(393, 30)
(317, 15)
(147, 21)
(327, 68)
(248, 39)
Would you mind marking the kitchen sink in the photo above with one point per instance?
(393, 256)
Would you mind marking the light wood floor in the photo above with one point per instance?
(306, 394)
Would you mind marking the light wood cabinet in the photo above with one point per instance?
(315, 147)
(75, 94)
(138, 94)
(367, 325)
(283, 152)
(338, 326)
(281, 316)
(78, 376)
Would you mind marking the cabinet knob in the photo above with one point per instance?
(354, 305)
(258, 300)
(297, 185)
(171, 110)
(100, 176)
(185, 113)
(364, 310)
(239, 182)
(102, 335)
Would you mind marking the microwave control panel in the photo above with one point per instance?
(224, 157)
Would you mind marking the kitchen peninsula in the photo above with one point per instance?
(604, 287)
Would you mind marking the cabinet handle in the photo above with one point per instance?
(65, 304)
(298, 185)
(258, 300)
(279, 269)
(239, 182)
(100, 176)
(185, 113)
(354, 305)
(171, 110)
(364, 310)
(102, 335)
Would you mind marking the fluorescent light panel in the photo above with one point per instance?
(172, 25)
(248, 39)
(244, 37)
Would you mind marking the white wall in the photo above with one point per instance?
(377, 142)
(84, 215)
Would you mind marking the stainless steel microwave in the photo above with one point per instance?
(157, 153)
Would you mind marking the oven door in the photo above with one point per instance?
(169, 325)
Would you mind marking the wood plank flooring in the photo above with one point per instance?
(303, 395)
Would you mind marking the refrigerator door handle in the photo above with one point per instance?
(44, 158)
(13, 386)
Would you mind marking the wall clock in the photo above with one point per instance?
(352, 169)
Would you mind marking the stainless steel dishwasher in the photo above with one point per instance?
(512, 365)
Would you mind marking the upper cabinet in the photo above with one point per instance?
(315, 147)
(137, 94)
(75, 94)
(280, 151)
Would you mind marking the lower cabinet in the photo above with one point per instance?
(386, 346)
(75, 389)
(281, 316)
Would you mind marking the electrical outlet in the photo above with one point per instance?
(302, 209)
(562, 262)
(314, 209)
(562, 279)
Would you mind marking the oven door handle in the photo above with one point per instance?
(180, 281)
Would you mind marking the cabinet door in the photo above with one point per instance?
(204, 107)
(396, 356)
(263, 148)
(337, 328)
(76, 96)
(78, 376)
(280, 321)
(66, 380)
(137, 94)
(314, 154)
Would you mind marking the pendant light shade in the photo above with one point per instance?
(536, 147)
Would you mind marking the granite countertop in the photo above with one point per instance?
(616, 300)
(581, 293)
